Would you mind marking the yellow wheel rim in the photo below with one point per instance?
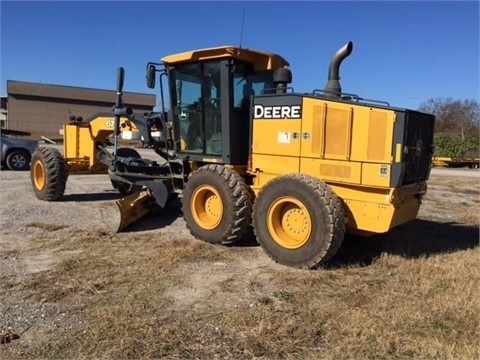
(39, 175)
(207, 207)
(289, 222)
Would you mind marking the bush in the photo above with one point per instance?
(449, 145)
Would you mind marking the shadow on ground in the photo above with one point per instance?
(85, 197)
(158, 218)
(413, 240)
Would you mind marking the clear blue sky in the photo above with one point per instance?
(404, 52)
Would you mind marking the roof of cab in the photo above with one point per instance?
(261, 60)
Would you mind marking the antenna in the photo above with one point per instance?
(241, 32)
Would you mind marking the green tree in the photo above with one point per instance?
(457, 126)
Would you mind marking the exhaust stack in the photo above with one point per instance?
(333, 88)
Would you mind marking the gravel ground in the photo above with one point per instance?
(26, 222)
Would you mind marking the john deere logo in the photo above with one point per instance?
(277, 112)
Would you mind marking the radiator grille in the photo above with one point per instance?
(418, 146)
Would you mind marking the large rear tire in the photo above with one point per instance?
(298, 220)
(48, 173)
(217, 205)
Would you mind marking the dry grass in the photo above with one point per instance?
(412, 293)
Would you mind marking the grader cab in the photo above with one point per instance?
(243, 149)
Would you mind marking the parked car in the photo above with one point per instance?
(16, 150)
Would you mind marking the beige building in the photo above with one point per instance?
(42, 109)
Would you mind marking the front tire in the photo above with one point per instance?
(217, 205)
(298, 221)
(48, 174)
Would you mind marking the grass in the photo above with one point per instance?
(412, 293)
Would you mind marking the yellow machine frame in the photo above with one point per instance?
(82, 139)
(350, 148)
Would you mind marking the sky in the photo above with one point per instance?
(404, 52)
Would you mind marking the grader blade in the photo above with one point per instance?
(127, 210)
(133, 207)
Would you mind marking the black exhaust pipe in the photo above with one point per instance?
(333, 88)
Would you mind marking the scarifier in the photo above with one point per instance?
(243, 149)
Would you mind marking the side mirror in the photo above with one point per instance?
(151, 70)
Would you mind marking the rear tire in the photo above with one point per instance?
(48, 174)
(217, 205)
(298, 221)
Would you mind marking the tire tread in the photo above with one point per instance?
(55, 173)
(238, 195)
(334, 208)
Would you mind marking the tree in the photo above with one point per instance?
(454, 117)
(457, 126)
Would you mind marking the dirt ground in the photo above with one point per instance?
(24, 220)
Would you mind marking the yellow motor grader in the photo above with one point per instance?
(244, 149)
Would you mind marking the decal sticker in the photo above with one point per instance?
(284, 137)
(383, 170)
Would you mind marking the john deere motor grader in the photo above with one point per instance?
(244, 149)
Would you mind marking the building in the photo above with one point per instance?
(42, 109)
(3, 112)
